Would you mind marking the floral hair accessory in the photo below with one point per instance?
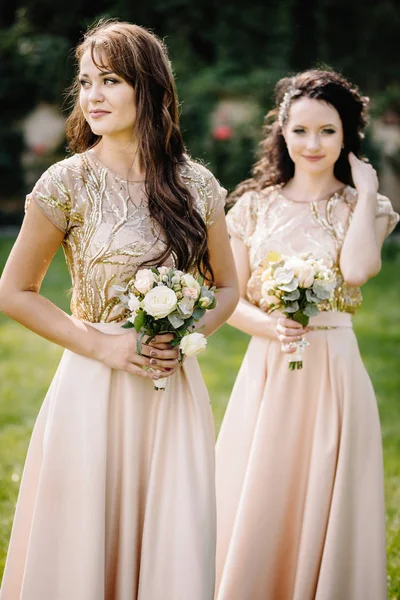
(285, 105)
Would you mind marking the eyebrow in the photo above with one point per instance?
(102, 74)
(327, 125)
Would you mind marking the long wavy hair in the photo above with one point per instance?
(274, 165)
(141, 59)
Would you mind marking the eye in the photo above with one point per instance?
(110, 81)
(298, 130)
(84, 83)
(329, 130)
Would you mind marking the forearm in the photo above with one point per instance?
(41, 316)
(227, 299)
(252, 320)
(360, 255)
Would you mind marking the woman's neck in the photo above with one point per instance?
(121, 157)
(307, 187)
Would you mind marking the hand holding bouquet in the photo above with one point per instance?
(296, 286)
(166, 300)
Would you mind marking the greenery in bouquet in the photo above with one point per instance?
(297, 287)
(166, 300)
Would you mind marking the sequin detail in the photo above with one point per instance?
(108, 228)
(268, 221)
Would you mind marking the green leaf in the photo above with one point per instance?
(139, 320)
(198, 313)
(127, 325)
(301, 318)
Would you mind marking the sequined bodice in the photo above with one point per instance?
(108, 228)
(268, 221)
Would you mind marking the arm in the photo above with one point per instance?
(360, 258)
(20, 285)
(251, 319)
(225, 277)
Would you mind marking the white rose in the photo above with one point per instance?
(205, 302)
(193, 344)
(283, 276)
(160, 302)
(306, 276)
(296, 264)
(133, 303)
(189, 281)
(190, 292)
(145, 280)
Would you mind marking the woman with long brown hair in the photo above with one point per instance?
(117, 499)
(299, 459)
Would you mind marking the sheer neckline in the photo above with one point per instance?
(338, 193)
(94, 160)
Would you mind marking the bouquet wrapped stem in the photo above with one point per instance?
(166, 300)
(297, 287)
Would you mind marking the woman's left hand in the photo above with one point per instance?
(364, 176)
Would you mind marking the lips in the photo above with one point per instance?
(96, 114)
(314, 158)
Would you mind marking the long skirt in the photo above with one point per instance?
(300, 496)
(117, 499)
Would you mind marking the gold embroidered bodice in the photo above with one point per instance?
(268, 221)
(108, 228)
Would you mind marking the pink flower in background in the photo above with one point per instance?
(222, 132)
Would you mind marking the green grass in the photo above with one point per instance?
(27, 364)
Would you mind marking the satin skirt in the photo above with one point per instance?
(117, 499)
(299, 470)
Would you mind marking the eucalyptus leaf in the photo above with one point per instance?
(312, 297)
(198, 313)
(295, 295)
(290, 287)
(175, 320)
(311, 310)
(291, 308)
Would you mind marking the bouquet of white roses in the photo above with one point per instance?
(296, 286)
(166, 300)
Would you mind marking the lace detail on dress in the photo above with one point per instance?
(268, 221)
(108, 228)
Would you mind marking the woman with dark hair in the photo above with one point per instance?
(117, 499)
(300, 497)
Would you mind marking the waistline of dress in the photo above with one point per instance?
(326, 320)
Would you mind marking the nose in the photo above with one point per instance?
(95, 93)
(313, 143)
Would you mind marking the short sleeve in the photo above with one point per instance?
(53, 198)
(384, 208)
(242, 218)
(216, 200)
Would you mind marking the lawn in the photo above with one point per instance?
(27, 364)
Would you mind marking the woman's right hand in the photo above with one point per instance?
(289, 331)
(119, 352)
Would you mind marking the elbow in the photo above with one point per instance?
(356, 277)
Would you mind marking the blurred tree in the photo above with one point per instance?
(218, 50)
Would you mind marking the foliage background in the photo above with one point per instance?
(218, 50)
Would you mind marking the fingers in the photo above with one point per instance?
(155, 362)
(289, 331)
(155, 352)
(163, 338)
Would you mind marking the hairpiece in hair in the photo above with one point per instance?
(285, 105)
